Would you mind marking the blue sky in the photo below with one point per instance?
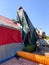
(37, 10)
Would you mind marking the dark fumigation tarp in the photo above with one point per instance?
(29, 34)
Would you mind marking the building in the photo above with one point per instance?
(10, 38)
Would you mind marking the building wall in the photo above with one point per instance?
(10, 42)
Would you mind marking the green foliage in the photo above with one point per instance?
(47, 37)
(29, 48)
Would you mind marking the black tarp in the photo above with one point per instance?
(29, 34)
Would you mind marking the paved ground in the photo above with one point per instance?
(22, 61)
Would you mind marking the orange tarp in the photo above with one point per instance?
(34, 57)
